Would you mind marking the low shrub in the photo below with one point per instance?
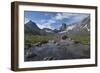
(44, 42)
(64, 37)
(76, 42)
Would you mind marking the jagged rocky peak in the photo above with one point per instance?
(63, 27)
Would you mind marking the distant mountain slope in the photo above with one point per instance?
(77, 28)
(86, 23)
(83, 26)
(47, 30)
(31, 28)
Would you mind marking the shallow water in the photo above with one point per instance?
(64, 49)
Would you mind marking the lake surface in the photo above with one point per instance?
(59, 50)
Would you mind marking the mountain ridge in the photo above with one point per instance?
(75, 28)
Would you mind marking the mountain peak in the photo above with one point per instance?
(31, 22)
(63, 27)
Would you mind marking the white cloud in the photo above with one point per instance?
(60, 16)
(26, 20)
(51, 21)
(47, 24)
(42, 21)
(80, 17)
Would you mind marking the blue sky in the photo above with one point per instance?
(53, 20)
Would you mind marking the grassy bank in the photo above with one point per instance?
(33, 39)
(83, 38)
(29, 40)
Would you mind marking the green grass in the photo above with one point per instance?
(33, 39)
(29, 40)
(84, 38)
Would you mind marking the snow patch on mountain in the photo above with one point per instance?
(71, 27)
